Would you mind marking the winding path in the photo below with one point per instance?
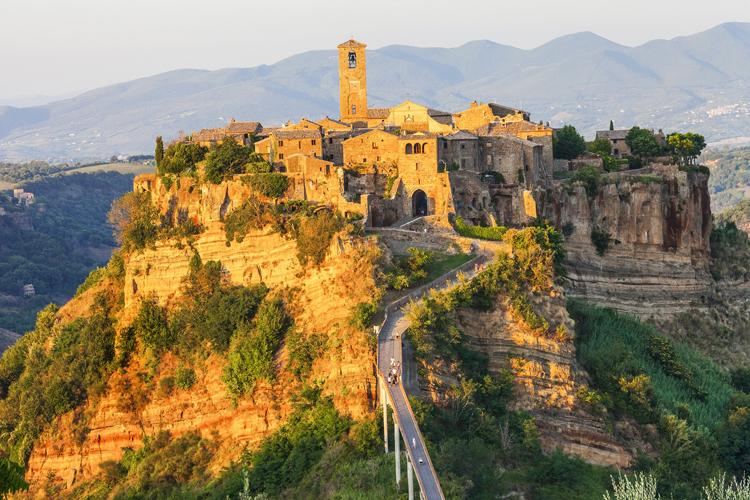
(390, 347)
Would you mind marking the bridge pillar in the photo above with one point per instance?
(410, 477)
(397, 449)
(384, 398)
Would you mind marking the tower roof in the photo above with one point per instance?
(351, 43)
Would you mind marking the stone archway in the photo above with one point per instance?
(418, 203)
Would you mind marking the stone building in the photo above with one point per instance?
(242, 132)
(459, 150)
(283, 143)
(616, 140)
(371, 149)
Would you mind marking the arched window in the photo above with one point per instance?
(417, 149)
(424, 147)
(408, 149)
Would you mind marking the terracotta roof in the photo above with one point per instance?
(244, 127)
(612, 134)
(208, 134)
(297, 134)
(510, 128)
(378, 112)
(351, 43)
(266, 131)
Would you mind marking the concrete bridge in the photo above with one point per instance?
(404, 423)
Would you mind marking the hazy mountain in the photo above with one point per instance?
(699, 82)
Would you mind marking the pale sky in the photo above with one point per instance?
(57, 47)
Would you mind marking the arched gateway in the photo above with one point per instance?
(418, 203)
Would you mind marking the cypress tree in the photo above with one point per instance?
(159, 152)
(611, 125)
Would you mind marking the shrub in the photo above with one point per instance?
(251, 355)
(181, 158)
(314, 235)
(184, 377)
(152, 328)
(601, 240)
(166, 386)
(410, 270)
(588, 176)
(719, 488)
(271, 185)
(642, 142)
(94, 278)
(741, 378)
(226, 159)
(303, 351)
(362, 315)
(730, 252)
(11, 477)
(642, 487)
(485, 233)
(134, 220)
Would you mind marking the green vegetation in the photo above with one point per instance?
(590, 177)
(730, 252)
(38, 383)
(159, 151)
(642, 142)
(567, 143)
(601, 147)
(31, 171)
(702, 421)
(687, 146)
(363, 314)
(181, 158)
(134, 219)
(407, 271)
(311, 229)
(495, 233)
(270, 185)
(68, 220)
(251, 355)
(730, 176)
(601, 240)
(11, 477)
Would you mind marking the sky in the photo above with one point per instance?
(55, 48)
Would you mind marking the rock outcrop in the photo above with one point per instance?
(653, 226)
(320, 300)
(547, 378)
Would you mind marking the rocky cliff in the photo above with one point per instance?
(320, 300)
(652, 228)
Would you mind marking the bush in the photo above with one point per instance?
(184, 377)
(314, 235)
(410, 270)
(588, 176)
(251, 355)
(303, 351)
(601, 240)
(226, 159)
(271, 185)
(730, 252)
(134, 220)
(152, 328)
(363, 314)
(484, 233)
(181, 158)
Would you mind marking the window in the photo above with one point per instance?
(314, 142)
(417, 149)
(445, 144)
(416, 167)
(463, 146)
(281, 156)
(463, 163)
(489, 159)
(352, 59)
(378, 159)
(281, 143)
(315, 154)
(408, 149)
(330, 140)
(374, 146)
(354, 109)
(364, 160)
(424, 148)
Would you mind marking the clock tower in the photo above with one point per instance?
(352, 81)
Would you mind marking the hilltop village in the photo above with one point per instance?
(393, 164)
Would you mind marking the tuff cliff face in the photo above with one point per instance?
(547, 378)
(320, 299)
(653, 228)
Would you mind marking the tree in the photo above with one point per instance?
(567, 143)
(11, 477)
(133, 218)
(181, 158)
(642, 142)
(227, 158)
(687, 146)
(159, 151)
(611, 125)
(600, 146)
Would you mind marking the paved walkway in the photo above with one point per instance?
(390, 347)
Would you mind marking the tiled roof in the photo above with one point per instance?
(500, 110)
(612, 134)
(244, 127)
(266, 131)
(416, 135)
(351, 44)
(510, 128)
(297, 134)
(378, 112)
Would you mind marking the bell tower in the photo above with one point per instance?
(352, 81)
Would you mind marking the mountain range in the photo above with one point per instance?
(699, 82)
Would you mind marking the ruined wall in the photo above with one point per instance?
(659, 222)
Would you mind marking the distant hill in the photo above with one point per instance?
(697, 82)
